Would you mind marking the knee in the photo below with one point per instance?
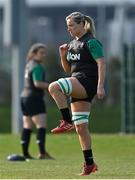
(27, 125)
(53, 87)
(27, 122)
(63, 85)
(80, 120)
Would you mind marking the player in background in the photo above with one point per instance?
(32, 101)
(83, 57)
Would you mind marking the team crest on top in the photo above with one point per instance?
(76, 45)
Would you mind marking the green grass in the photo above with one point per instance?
(103, 119)
(114, 154)
(5, 118)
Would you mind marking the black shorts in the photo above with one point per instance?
(31, 106)
(90, 84)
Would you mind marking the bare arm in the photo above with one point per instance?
(63, 53)
(41, 85)
(101, 77)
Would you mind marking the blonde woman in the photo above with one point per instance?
(83, 57)
(32, 101)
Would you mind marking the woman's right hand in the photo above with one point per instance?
(63, 50)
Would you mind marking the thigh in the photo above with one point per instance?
(90, 85)
(27, 122)
(81, 106)
(78, 91)
(39, 120)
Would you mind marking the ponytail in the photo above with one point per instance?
(89, 25)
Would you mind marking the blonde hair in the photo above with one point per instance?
(88, 22)
(34, 49)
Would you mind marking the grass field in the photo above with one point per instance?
(114, 154)
(103, 119)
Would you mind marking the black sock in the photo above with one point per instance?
(41, 134)
(66, 115)
(25, 140)
(88, 156)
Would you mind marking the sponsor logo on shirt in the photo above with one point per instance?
(73, 57)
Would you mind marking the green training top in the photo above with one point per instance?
(34, 71)
(38, 73)
(95, 48)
